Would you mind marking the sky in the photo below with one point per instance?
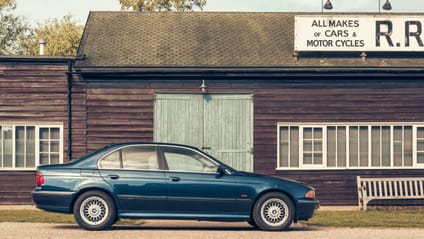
(40, 10)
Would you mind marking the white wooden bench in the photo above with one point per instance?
(388, 188)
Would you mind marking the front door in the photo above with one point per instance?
(196, 187)
(220, 124)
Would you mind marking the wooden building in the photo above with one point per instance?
(233, 85)
(33, 121)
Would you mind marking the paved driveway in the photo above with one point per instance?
(201, 230)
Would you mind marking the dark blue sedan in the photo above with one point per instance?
(167, 181)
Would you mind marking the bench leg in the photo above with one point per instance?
(365, 203)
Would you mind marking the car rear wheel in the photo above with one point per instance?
(94, 210)
(273, 212)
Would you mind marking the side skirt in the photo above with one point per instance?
(186, 216)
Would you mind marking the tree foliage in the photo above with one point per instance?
(162, 5)
(7, 4)
(12, 28)
(62, 37)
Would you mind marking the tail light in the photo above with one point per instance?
(39, 179)
(310, 194)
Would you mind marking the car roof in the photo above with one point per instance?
(151, 143)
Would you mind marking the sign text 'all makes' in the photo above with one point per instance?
(359, 33)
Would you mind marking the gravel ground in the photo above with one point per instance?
(201, 230)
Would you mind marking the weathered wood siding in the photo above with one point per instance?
(16, 187)
(30, 93)
(122, 110)
(79, 117)
(117, 110)
(340, 100)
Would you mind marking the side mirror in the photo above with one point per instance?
(221, 170)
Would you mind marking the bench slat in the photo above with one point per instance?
(388, 188)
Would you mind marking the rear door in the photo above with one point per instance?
(135, 175)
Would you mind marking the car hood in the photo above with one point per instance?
(272, 179)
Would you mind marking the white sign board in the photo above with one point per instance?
(359, 33)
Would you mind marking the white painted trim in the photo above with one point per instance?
(37, 142)
(14, 146)
(324, 126)
(1, 146)
(415, 145)
(351, 168)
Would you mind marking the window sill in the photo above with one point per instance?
(368, 168)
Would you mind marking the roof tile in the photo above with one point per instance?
(204, 39)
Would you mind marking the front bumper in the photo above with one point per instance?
(55, 201)
(306, 208)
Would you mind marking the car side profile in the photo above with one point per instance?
(167, 181)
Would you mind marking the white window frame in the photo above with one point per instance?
(414, 146)
(325, 126)
(323, 145)
(37, 143)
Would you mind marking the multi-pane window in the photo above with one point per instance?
(26, 146)
(49, 145)
(420, 145)
(351, 146)
(312, 146)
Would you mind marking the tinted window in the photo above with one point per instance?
(111, 161)
(139, 157)
(188, 161)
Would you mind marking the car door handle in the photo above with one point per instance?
(113, 176)
(174, 179)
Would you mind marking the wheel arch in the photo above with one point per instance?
(95, 188)
(275, 191)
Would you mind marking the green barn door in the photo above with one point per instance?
(220, 124)
(228, 128)
(178, 119)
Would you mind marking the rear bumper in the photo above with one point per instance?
(53, 200)
(306, 209)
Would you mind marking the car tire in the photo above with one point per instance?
(273, 212)
(95, 210)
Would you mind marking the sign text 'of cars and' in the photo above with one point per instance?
(359, 33)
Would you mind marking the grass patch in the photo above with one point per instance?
(49, 217)
(35, 216)
(374, 218)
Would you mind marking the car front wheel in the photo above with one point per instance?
(273, 212)
(94, 210)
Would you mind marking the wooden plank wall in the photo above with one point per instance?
(16, 187)
(117, 110)
(121, 110)
(30, 93)
(79, 117)
(341, 100)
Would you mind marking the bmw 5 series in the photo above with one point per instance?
(168, 181)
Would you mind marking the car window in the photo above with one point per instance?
(111, 161)
(140, 157)
(188, 161)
